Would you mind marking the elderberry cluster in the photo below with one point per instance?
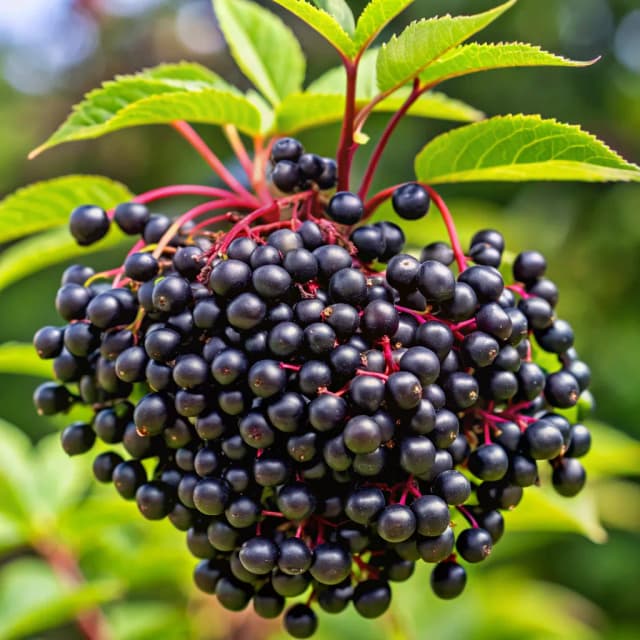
(293, 169)
(309, 419)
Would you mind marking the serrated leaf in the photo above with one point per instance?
(327, 26)
(519, 148)
(263, 47)
(340, 10)
(47, 204)
(43, 250)
(422, 42)
(475, 57)
(305, 111)
(374, 17)
(20, 358)
(186, 72)
(135, 102)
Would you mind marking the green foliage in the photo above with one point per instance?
(265, 49)
(405, 56)
(16, 357)
(374, 17)
(131, 101)
(341, 11)
(49, 248)
(517, 148)
(139, 572)
(307, 110)
(325, 24)
(47, 204)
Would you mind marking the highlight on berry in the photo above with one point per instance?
(317, 405)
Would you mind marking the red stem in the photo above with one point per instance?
(470, 519)
(243, 225)
(189, 134)
(451, 227)
(92, 623)
(182, 190)
(384, 139)
(344, 154)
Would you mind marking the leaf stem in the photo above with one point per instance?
(236, 144)
(386, 135)
(450, 225)
(344, 154)
(190, 134)
(182, 190)
(190, 215)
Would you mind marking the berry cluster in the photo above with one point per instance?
(309, 419)
(294, 170)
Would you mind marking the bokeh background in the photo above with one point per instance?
(551, 577)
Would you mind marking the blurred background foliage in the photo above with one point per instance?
(75, 558)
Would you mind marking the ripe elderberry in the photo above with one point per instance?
(308, 414)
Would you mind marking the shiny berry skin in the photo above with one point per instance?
(489, 462)
(474, 545)
(411, 201)
(286, 176)
(88, 224)
(345, 208)
(331, 564)
(448, 580)
(568, 477)
(286, 149)
(300, 621)
(371, 598)
(131, 217)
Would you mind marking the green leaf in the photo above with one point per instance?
(16, 473)
(613, 452)
(374, 17)
(475, 57)
(407, 55)
(35, 601)
(432, 104)
(542, 509)
(43, 250)
(263, 47)
(326, 25)
(305, 111)
(134, 102)
(518, 148)
(21, 358)
(184, 74)
(340, 10)
(48, 204)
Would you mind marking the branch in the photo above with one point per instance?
(189, 134)
(345, 147)
(386, 135)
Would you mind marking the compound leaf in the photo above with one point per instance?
(422, 42)
(520, 148)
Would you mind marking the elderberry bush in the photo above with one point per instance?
(309, 403)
